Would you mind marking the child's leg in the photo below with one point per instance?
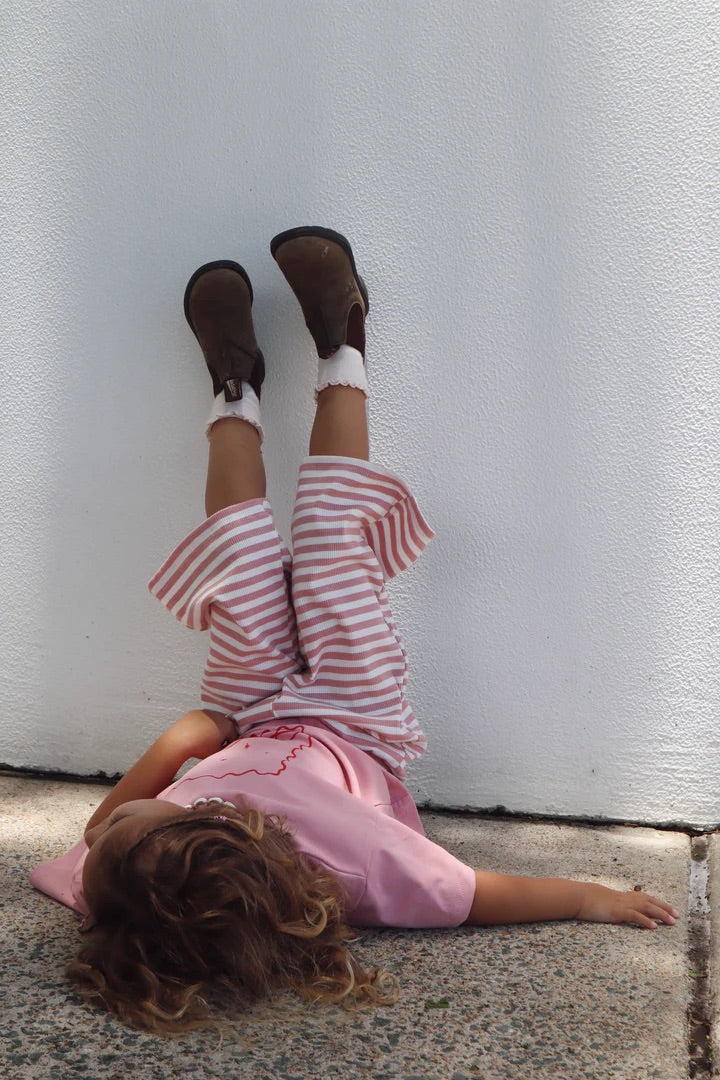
(231, 575)
(340, 428)
(218, 307)
(235, 466)
(353, 525)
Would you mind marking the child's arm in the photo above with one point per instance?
(195, 735)
(505, 898)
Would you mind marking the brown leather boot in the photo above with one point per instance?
(320, 269)
(218, 307)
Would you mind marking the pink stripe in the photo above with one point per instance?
(392, 526)
(374, 481)
(270, 671)
(378, 541)
(231, 540)
(351, 653)
(405, 535)
(238, 634)
(380, 635)
(309, 639)
(346, 549)
(207, 573)
(330, 474)
(207, 527)
(247, 670)
(312, 506)
(365, 674)
(256, 599)
(362, 700)
(364, 569)
(419, 534)
(327, 611)
(327, 490)
(184, 556)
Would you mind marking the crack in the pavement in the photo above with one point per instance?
(699, 1013)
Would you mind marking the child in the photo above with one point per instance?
(246, 872)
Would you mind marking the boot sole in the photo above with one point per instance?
(325, 234)
(219, 264)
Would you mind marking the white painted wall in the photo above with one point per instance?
(531, 191)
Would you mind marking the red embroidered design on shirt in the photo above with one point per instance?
(267, 733)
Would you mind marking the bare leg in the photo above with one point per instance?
(340, 427)
(236, 471)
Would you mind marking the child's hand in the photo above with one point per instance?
(599, 904)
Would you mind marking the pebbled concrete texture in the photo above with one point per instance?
(564, 1000)
(713, 966)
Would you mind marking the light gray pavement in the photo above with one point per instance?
(558, 1001)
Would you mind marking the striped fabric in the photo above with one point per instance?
(311, 637)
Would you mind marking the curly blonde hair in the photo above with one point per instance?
(227, 901)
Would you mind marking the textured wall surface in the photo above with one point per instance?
(531, 191)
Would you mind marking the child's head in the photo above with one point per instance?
(183, 899)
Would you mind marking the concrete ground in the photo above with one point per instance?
(550, 1001)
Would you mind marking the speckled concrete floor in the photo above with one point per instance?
(554, 1001)
(713, 968)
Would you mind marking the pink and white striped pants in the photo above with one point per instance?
(310, 635)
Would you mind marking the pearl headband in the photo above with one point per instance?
(214, 800)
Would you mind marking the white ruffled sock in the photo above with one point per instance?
(247, 408)
(344, 368)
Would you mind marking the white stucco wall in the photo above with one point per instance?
(531, 192)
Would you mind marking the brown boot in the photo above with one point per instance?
(320, 269)
(218, 307)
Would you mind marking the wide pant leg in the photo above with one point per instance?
(231, 576)
(354, 525)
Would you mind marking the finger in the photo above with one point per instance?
(666, 907)
(652, 913)
(661, 914)
(652, 909)
(661, 909)
(640, 919)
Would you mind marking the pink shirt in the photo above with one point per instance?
(343, 809)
